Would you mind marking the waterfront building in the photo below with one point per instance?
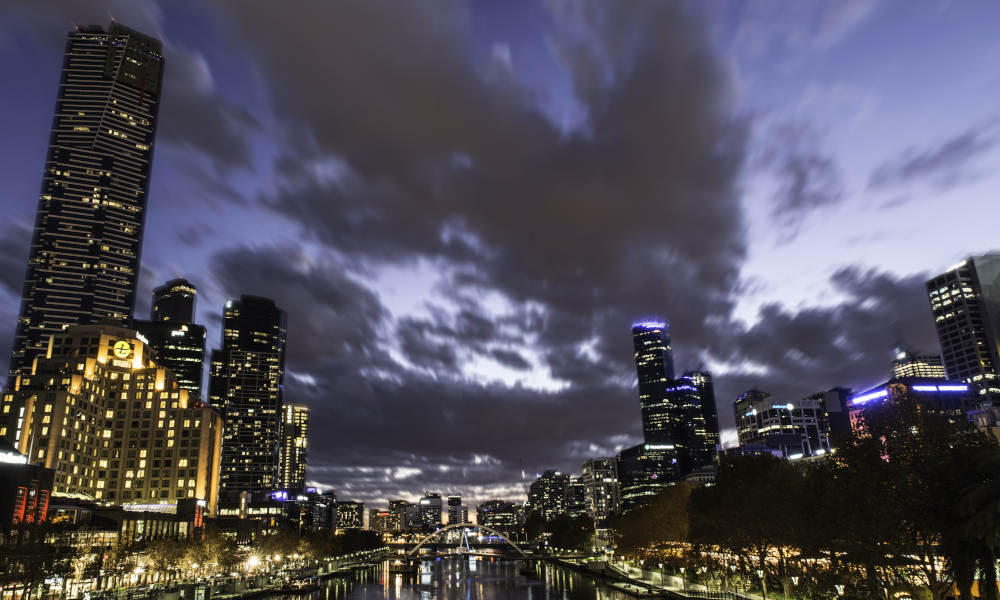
(795, 430)
(965, 302)
(383, 522)
(25, 489)
(179, 342)
(294, 446)
(113, 424)
(83, 263)
(247, 383)
(599, 477)
(576, 498)
(505, 517)
(403, 512)
(643, 471)
(547, 495)
(350, 514)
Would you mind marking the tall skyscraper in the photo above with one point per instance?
(965, 301)
(174, 301)
(547, 495)
(457, 512)
(702, 381)
(248, 375)
(84, 258)
(294, 445)
(179, 342)
(654, 366)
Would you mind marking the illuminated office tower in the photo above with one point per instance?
(113, 424)
(654, 367)
(247, 381)
(702, 381)
(965, 301)
(83, 263)
(457, 512)
(294, 442)
(547, 495)
(178, 341)
(907, 364)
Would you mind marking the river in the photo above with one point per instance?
(464, 578)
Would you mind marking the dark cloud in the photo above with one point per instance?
(808, 178)
(194, 116)
(15, 238)
(195, 234)
(944, 164)
(848, 343)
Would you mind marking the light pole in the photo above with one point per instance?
(763, 583)
(840, 588)
(684, 583)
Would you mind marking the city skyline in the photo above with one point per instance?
(437, 340)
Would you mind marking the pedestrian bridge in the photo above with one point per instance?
(465, 542)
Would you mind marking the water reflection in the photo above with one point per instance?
(465, 579)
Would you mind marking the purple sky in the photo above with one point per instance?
(463, 206)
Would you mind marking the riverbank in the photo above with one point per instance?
(644, 583)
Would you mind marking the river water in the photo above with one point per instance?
(465, 578)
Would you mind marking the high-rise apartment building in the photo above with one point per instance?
(430, 511)
(83, 263)
(178, 341)
(294, 444)
(350, 514)
(702, 381)
(965, 301)
(501, 515)
(112, 423)
(908, 364)
(547, 495)
(247, 385)
(457, 512)
(599, 477)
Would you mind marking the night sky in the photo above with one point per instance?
(463, 206)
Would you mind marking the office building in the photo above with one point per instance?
(965, 302)
(599, 477)
(174, 301)
(836, 408)
(643, 471)
(294, 446)
(908, 364)
(113, 424)
(705, 387)
(547, 494)
(430, 511)
(457, 512)
(83, 263)
(501, 515)
(403, 511)
(576, 498)
(247, 382)
(25, 489)
(792, 430)
(654, 367)
(694, 443)
(383, 522)
(952, 399)
(350, 514)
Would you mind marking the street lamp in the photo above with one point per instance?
(840, 589)
(763, 584)
(684, 583)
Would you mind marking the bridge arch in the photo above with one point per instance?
(465, 526)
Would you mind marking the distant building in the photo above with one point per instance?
(501, 515)
(599, 477)
(83, 263)
(952, 399)
(294, 446)
(702, 381)
(907, 364)
(965, 302)
(138, 438)
(350, 514)
(797, 429)
(835, 406)
(404, 512)
(547, 494)
(179, 342)
(247, 384)
(430, 511)
(457, 512)
(576, 498)
(654, 367)
(383, 522)
(703, 475)
(641, 471)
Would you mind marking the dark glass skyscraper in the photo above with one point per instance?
(84, 258)
(965, 301)
(174, 301)
(179, 342)
(248, 375)
(654, 364)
